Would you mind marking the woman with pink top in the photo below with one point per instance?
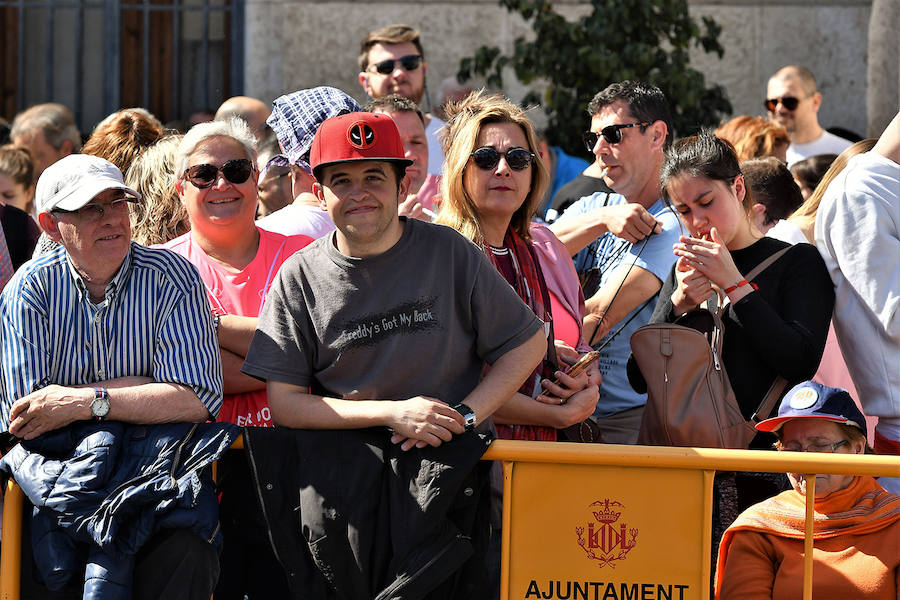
(493, 180)
(216, 178)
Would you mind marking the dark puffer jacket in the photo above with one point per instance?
(101, 490)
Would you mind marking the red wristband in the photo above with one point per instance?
(740, 283)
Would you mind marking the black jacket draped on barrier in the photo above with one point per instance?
(352, 516)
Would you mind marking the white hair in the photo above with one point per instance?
(234, 128)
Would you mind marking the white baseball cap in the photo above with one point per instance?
(73, 181)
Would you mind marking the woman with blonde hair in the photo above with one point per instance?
(160, 216)
(755, 137)
(832, 369)
(805, 216)
(492, 184)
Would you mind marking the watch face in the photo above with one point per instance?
(100, 407)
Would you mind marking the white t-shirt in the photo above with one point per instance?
(435, 152)
(828, 143)
(786, 231)
(858, 234)
(298, 219)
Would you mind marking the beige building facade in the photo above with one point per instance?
(294, 44)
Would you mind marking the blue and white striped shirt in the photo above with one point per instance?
(154, 322)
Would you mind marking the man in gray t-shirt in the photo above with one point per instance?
(387, 309)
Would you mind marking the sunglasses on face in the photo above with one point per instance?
(611, 133)
(487, 158)
(409, 62)
(203, 176)
(789, 102)
(93, 213)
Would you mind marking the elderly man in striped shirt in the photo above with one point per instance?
(103, 328)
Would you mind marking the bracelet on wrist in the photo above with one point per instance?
(739, 284)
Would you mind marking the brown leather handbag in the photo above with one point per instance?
(690, 401)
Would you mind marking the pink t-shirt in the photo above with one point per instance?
(241, 293)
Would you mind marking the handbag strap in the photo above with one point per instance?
(777, 387)
(765, 264)
(768, 403)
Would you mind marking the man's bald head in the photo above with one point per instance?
(801, 74)
(253, 111)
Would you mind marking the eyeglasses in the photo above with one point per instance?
(487, 158)
(789, 102)
(410, 62)
(203, 176)
(611, 133)
(814, 447)
(93, 213)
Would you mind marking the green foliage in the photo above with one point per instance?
(646, 40)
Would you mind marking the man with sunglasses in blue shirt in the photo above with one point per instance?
(622, 242)
(793, 103)
(392, 61)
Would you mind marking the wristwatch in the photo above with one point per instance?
(468, 414)
(100, 404)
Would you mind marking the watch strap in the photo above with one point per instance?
(468, 414)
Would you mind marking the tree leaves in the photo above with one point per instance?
(620, 39)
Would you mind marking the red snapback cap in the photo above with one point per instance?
(356, 136)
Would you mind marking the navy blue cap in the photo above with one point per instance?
(811, 400)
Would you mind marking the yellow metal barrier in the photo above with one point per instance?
(11, 555)
(606, 521)
(602, 521)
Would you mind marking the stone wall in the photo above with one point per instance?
(295, 44)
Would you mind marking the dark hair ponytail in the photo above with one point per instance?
(701, 155)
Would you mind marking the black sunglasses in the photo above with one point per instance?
(487, 158)
(611, 133)
(235, 171)
(409, 62)
(789, 102)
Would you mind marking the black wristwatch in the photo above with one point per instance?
(100, 404)
(468, 414)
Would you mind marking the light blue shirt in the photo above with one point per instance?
(606, 254)
(155, 321)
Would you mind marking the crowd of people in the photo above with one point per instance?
(374, 293)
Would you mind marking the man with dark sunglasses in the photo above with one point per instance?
(793, 102)
(104, 329)
(369, 332)
(622, 241)
(392, 61)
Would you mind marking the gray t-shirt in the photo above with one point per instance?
(419, 319)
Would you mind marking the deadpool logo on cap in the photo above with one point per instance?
(361, 135)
